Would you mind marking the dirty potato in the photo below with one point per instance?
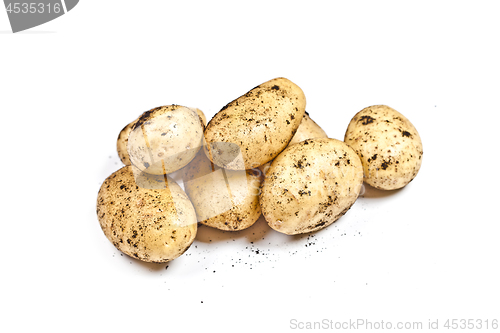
(122, 141)
(150, 220)
(165, 139)
(223, 199)
(254, 128)
(388, 144)
(310, 185)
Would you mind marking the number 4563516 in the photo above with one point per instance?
(33, 7)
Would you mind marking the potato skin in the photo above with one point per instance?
(223, 199)
(388, 144)
(257, 125)
(202, 116)
(310, 185)
(122, 141)
(152, 225)
(165, 139)
(308, 129)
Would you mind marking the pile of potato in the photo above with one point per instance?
(260, 154)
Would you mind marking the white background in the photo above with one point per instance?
(428, 251)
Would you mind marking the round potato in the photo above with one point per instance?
(165, 139)
(223, 199)
(310, 185)
(151, 220)
(122, 142)
(307, 129)
(388, 144)
(254, 128)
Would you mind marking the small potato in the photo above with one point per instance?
(310, 185)
(388, 144)
(254, 128)
(165, 139)
(308, 129)
(223, 199)
(151, 220)
(121, 143)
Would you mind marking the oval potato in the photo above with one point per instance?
(122, 141)
(165, 139)
(310, 185)
(223, 199)
(254, 128)
(150, 222)
(388, 144)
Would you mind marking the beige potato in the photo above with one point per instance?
(388, 144)
(223, 199)
(144, 218)
(122, 141)
(165, 139)
(308, 129)
(310, 185)
(254, 128)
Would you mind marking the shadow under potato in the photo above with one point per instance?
(151, 266)
(371, 192)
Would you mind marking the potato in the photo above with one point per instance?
(310, 185)
(121, 143)
(146, 219)
(223, 199)
(165, 139)
(254, 128)
(307, 129)
(388, 144)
